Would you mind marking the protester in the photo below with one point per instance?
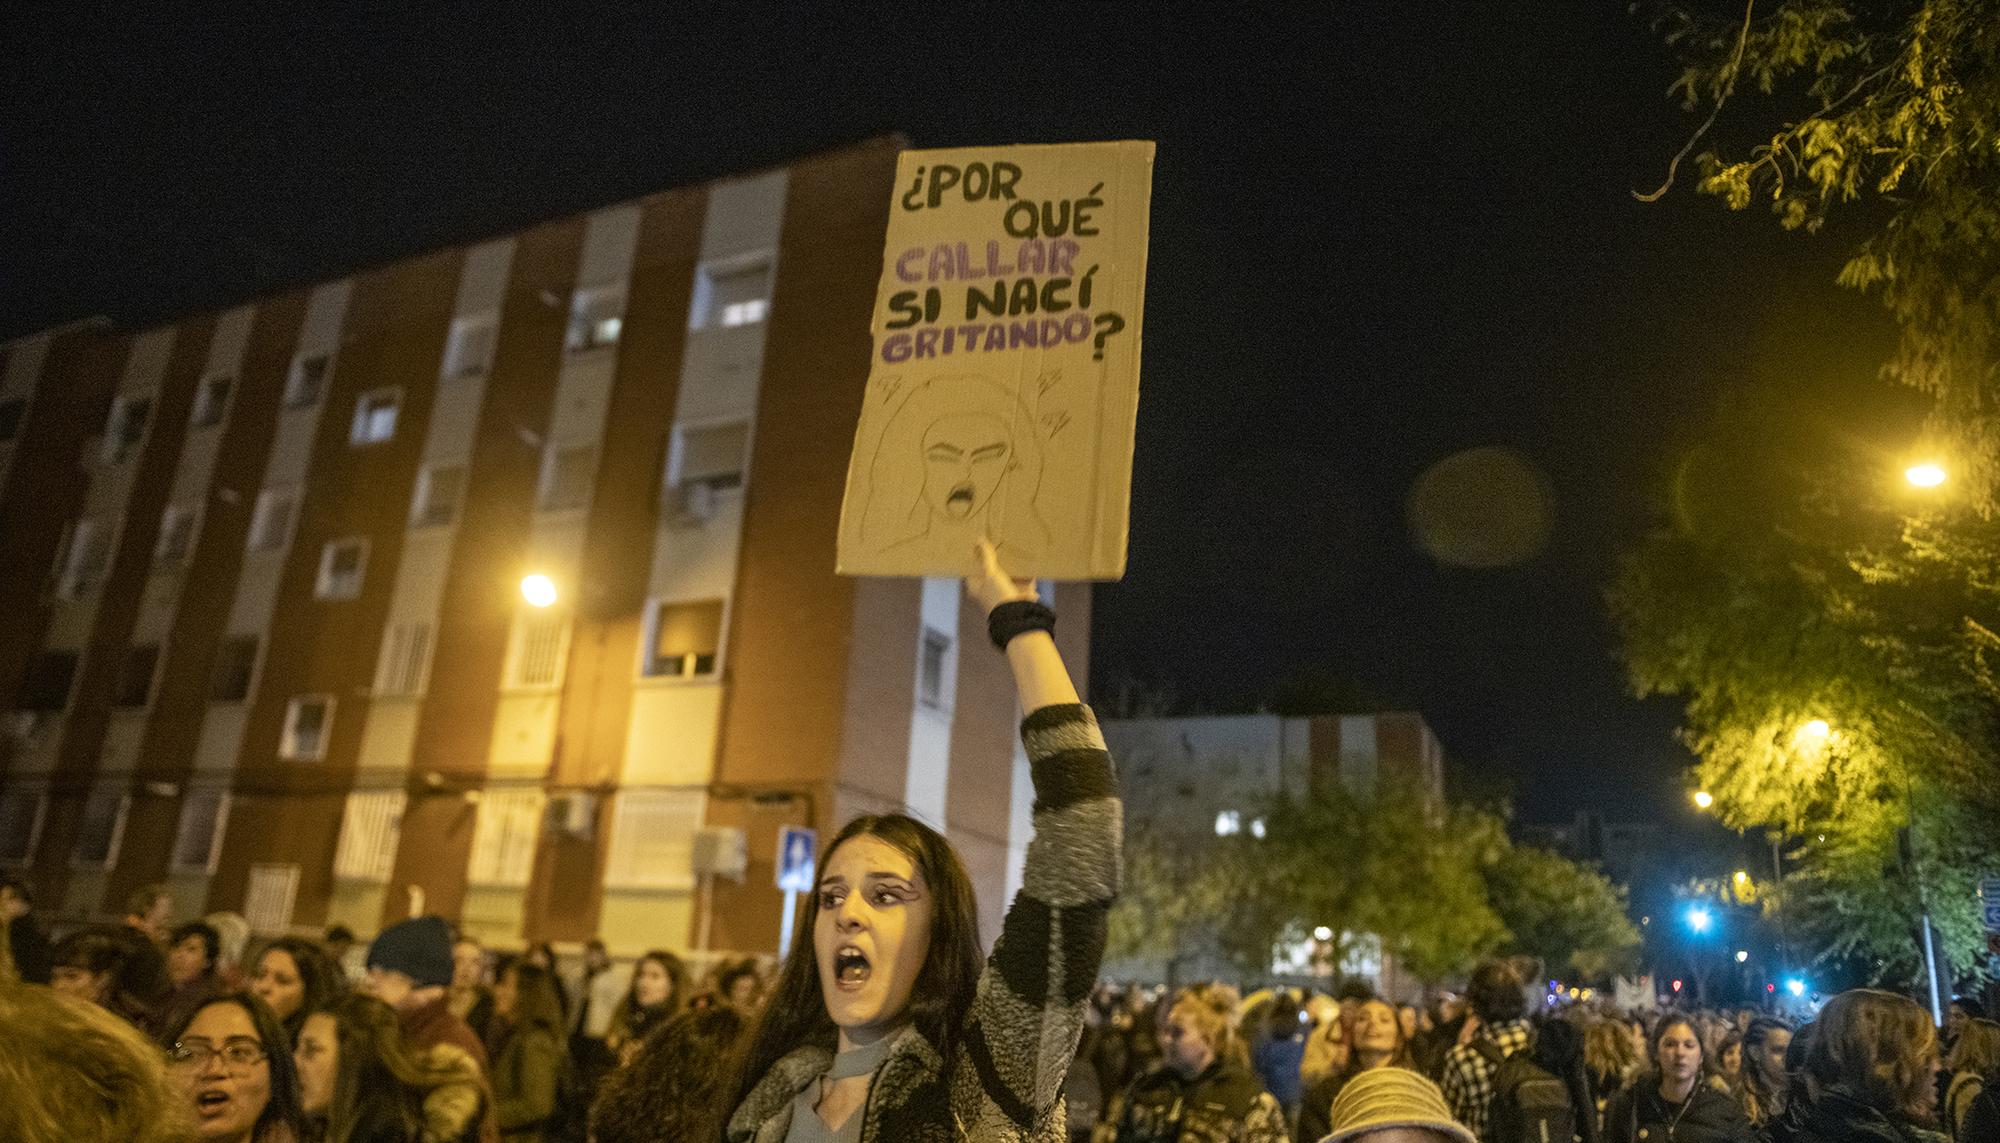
(526, 1047)
(1725, 1069)
(233, 1064)
(115, 967)
(1673, 1103)
(193, 951)
(410, 970)
(1868, 1064)
(1280, 1053)
(294, 978)
(149, 909)
(672, 1088)
(1202, 1088)
(1974, 1062)
(891, 978)
(1448, 1019)
(1609, 1060)
(738, 985)
(1392, 1104)
(27, 941)
(232, 933)
(360, 1083)
(470, 998)
(1496, 999)
(1765, 1078)
(658, 993)
(71, 1071)
(1379, 1042)
(1327, 1050)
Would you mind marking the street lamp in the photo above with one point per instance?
(1817, 730)
(1699, 918)
(1703, 799)
(539, 590)
(1742, 955)
(1926, 475)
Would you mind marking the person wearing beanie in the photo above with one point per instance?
(409, 969)
(1384, 1104)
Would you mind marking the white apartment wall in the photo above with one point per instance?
(929, 767)
(1181, 772)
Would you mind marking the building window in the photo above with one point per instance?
(733, 293)
(709, 454)
(271, 523)
(102, 828)
(235, 667)
(503, 840)
(931, 668)
(469, 352)
(370, 831)
(1228, 823)
(406, 654)
(567, 476)
(177, 525)
(375, 416)
(11, 414)
(86, 557)
(683, 639)
(596, 318)
(135, 675)
(307, 383)
(211, 401)
(652, 839)
(20, 825)
(440, 490)
(341, 566)
(47, 684)
(543, 641)
(198, 842)
(126, 428)
(267, 905)
(308, 724)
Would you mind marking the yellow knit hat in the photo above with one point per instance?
(1392, 1097)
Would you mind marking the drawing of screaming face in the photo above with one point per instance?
(966, 455)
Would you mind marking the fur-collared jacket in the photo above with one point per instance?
(1005, 1084)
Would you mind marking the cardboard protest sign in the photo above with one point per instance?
(1005, 375)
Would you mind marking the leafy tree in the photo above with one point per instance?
(1570, 916)
(1892, 108)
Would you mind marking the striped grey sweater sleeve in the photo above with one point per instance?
(1028, 1016)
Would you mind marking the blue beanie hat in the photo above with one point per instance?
(419, 948)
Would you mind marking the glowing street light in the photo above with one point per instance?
(539, 590)
(1742, 955)
(1795, 986)
(1703, 799)
(1816, 731)
(1925, 475)
(1322, 933)
(1742, 878)
(1699, 918)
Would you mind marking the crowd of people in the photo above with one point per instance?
(889, 1023)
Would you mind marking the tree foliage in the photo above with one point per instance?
(1891, 112)
(1571, 917)
(1823, 599)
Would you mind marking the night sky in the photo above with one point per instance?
(1380, 237)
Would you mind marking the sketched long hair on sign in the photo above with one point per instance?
(1004, 380)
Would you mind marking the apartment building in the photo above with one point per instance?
(495, 582)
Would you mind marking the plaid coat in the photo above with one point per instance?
(1027, 1014)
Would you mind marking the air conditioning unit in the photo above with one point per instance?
(694, 503)
(721, 851)
(574, 815)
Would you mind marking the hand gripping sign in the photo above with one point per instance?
(1004, 380)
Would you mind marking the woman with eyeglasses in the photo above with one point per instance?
(233, 1065)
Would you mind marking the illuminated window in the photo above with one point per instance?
(541, 645)
(375, 416)
(596, 318)
(652, 839)
(267, 903)
(370, 831)
(503, 840)
(406, 655)
(308, 723)
(733, 293)
(1228, 823)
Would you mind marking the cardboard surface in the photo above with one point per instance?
(1004, 381)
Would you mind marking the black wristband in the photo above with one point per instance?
(1017, 617)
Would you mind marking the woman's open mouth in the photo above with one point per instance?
(210, 1102)
(959, 502)
(850, 967)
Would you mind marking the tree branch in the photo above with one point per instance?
(1728, 87)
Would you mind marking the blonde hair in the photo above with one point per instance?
(71, 1070)
(1977, 1050)
(1210, 1007)
(1880, 1047)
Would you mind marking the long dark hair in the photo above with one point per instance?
(536, 1004)
(136, 973)
(319, 979)
(631, 1020)
(795, 1014)
(669, 1089)
(380, 1079)
(283, 1119)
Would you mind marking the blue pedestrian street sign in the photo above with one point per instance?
(1989, 903)
(795, 859)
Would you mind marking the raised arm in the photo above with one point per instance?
(1028, 1014)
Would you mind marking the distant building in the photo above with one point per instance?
(1628, 852)
(1208, 774)
(266, 638)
